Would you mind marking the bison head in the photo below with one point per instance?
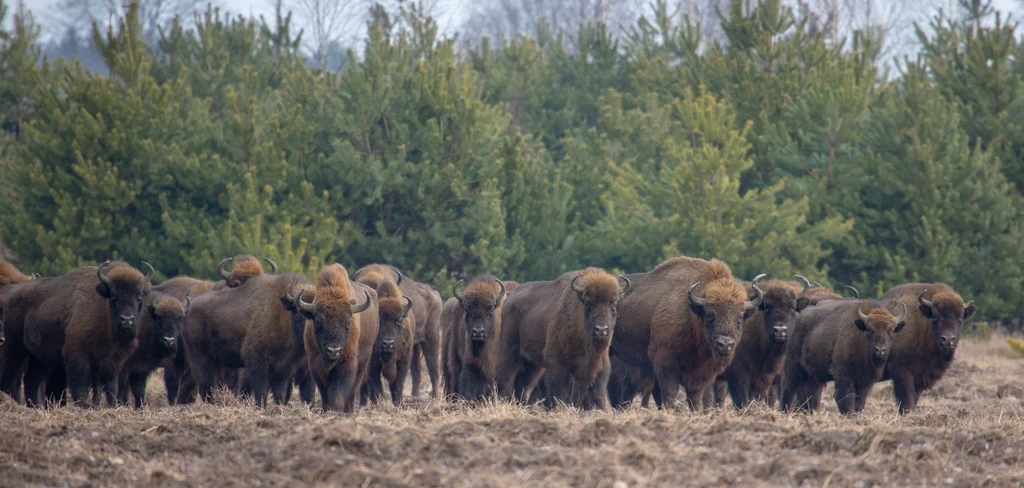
(780, 307)
(167, 314)
(244, 268)
(722, 309)
(291, 304)
(124, 287)
(879, 325)
(479, 303)
(392, 310)
(946, 312)
(599, 293)
(332, 319)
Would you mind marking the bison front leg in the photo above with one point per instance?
(430, 355)
(739, 390)
(79, 378)
(669, 388)
(846, 396)
(397, 385)
(905, 392)
(598, 392)
(862, 396)
(123, 391)
(417, 352)
(137, 382)
(35, 373)
(695, 399)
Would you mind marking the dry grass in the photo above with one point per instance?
(967, 432)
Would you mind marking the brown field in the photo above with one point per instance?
(967, 432)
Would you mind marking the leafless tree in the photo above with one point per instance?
(153, 14)
(329, 23)
(895, 19)
(510, 18)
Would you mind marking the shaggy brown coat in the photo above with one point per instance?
(762, 347)
(339, 342)
(663, 334)
(551, 329)
(832, 342)
(392, 351)
(924, 352)
(10, 277)
(78, 325)
(468, 362)
(426, 308)
(244, 327)
(243, 268)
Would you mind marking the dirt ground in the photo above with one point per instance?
(969, 431)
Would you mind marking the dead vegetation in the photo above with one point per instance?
(968, 431)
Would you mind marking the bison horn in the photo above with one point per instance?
(577, 288)
(903, 316)
(99, 273)
(817, 284)
(36, 276)
(752, 304)
(455, 292)
(807, 284)
(501, 295)
(308, 307)
(188, 297)
(856, 294)
(860, 315)
(221, 271)
(624, 289)
(149, 275)
(923, 301)
(356, 274)
(288, 292)
(399, 273)
(696, 301)
(758, 278)
(408, 304)
(363, 306)
(273, 265)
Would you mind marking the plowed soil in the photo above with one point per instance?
(969, 431)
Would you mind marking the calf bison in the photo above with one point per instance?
(922, 353)
(83, 324)
(392, 351)
(426, 308)
(339, 337)
(471, 323)
(680, 325)
(562, 330)
(762, 347)
(837, 341)
(159, 329)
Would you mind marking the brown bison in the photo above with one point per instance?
(244, 267)
(392, 351)
(339, 337)
(838, 341)
(922, 353)
(83, 324)
(762, 347)
(471, 323)
(426, 308)
(159, 329)
(681, 324)
(247, 327)
(10, 277)
(562, 330)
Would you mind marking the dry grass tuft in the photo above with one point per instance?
(968, 431)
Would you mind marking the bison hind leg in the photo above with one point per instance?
(417, 352)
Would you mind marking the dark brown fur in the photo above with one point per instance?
(762, 347)
(333, 325)
(394, 324)
(176, 373)
(919, 358)
(426, 308)
(830, 343)
(663, 336)
(159, 329)
(468, 365)
(64, 325)
(551, 330)
(10, 277)
(244, 327)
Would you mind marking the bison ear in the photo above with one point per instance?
(152, 311)
(926, 311)
(288, 305)
(103, 290)
(860, 325)
(970, 310)
(802, 303)
(148, 289)
(750, 312)
(697, 309)
(899, 326)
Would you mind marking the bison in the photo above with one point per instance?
(762, 347)
(922, 354)
(392, 351)
(426, 308)
(339, 337)
(680, 325)
(83, 324)
(471, 323)
(560, 329)
(244, 267)
(838, 341)
(10, 277)
(159, 329)
(247, 327)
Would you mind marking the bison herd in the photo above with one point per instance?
(588, 338)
